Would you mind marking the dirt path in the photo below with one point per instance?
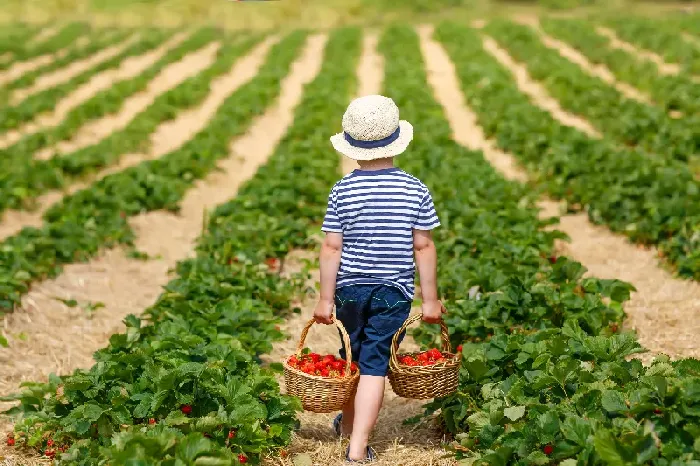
(169, 77)
(167, 137)
(16, 70)
(61, 339)
(128, 69)
(616, 42)
(536, 91)
(43, 35)
(77, 67)
(597, 70)
(663, 311)
(395, 443)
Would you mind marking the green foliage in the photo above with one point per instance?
(13, 116)
(658, 37)
(631, 122)
(649, 200)
(84, 222)
(198, 346)
(673, 92)
(23, 178)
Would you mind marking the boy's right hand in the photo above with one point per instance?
(324, 312)
(433, 311)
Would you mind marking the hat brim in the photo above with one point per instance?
(392, 150)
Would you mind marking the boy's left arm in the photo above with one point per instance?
(329, 264)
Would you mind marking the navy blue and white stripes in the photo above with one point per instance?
(377, 211)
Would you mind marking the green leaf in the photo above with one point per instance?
(514, 412)
(613, 402)
(607, 448)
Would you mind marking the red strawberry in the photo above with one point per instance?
(434, 353)
(459, 349)
(50, 453)
(338, 365)
(423, 357)
(328, 359)
(658, 411)
(319, 366)
(613, 327)
(325, 372)
(186, 409)
(271, 262)
(548, 449)
(231, 434)
(315, 357)
(293, 361)
(284, 453)
(353, 367)
(10, 442)
(552, 259)
(151, 421)
(242, 458)
(49, 443)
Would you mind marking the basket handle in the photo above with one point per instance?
(444, 333)
(345, 337)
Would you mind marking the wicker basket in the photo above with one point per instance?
(321, 394)
(423, 382)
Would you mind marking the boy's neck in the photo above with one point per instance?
(377, 164)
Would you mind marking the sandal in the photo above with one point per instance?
(371, 456)
(337, 424)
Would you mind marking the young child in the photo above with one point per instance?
(378, 218)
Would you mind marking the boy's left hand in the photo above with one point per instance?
(324, 312)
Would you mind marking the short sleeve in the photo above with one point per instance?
(427, 216)
(331, 222)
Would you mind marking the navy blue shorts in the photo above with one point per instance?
(371, 314)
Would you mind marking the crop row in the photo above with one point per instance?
(544, 376)
(13, 116)
(82, 223)
(658, 38)
(651, 201)
(633, 123)
(96, 42)
(23, 178)
(16, 40)
(673, 92)
(199, 350)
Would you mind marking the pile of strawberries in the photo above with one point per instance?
(323, 366)
(427, 358)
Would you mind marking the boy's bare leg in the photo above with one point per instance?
(368, 402)
(348, 417)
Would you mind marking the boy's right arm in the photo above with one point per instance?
(426, 262)
(329, 263)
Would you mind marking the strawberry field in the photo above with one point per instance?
(158, 185)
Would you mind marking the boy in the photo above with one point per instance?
(378, 218)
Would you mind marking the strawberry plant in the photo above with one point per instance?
(15, 40)
(154, 184)
(13, 116)
(673, 92)
(98, 41)
(659, 38)
(25, 178)
(594, 175)
(543, 379)
(191, 364)
(631, 122)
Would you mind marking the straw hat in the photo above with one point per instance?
(372, 129)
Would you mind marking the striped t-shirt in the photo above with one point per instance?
(377, 211)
